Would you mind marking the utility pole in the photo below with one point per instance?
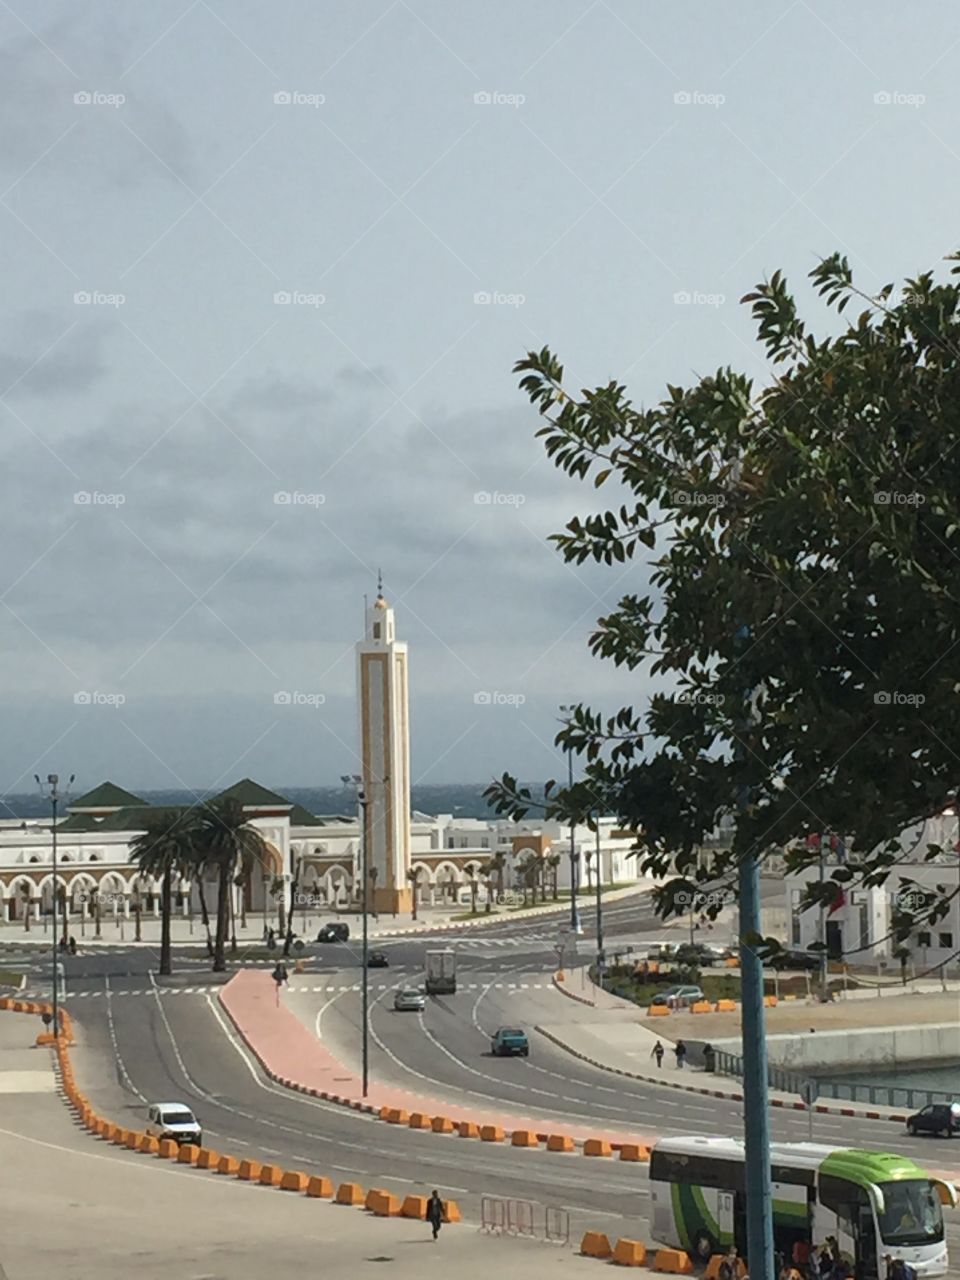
(600, 955)
(823, 929)
(357, 781)
(54, 795)
(574, 860)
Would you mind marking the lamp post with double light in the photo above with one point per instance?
(52, 790)
(355, 780)
(574, 860)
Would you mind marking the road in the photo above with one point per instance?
(146, 1044)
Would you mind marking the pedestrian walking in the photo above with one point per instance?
(680, 1050)
(435, 1213)
(280, 976)
(657, 1053)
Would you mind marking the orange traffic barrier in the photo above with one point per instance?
(676, 1261)
(630, 1253)
(701, 1006)
(491, 1133)
(229, 1165)
(414, 1207)
(349, 1193)
(658, 1011)
(597, 1147)
(168, 1149)
(99, 1125)
(383, 1204)
(119, 1138)
(270, 1176)
(188, 1154)
(770, 1001)
(467, 1129)
(442, 1124)
(319, 1188)
(249, 1170)
(523, 1138)
(451, 1211)
(726, 1006)
(396, 1116)
(732, 961)
(208, 1159)
(109, 1131)
(45, 1037)
(384, 1113)
(133, 1140)
(420, 1121)
(559, 1142)
(595, 1245)
(293, 1180)
(634, 1151)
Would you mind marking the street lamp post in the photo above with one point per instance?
(599, 882)
(357, 782)
(53, 791)
(574, 868)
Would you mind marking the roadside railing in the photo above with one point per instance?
(785, 1081)
(524, 1218)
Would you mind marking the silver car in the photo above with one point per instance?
(409, 1001)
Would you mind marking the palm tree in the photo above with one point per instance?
(25, 895)
(488, 883)
(372, 876)
(498, 864)
(474, 885)
(294, 889)
(554, 863)
(163, 850)
(224, 839)
(413, 875)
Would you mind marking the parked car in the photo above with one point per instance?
(678, 997)
(510, 1042)
(335, 931)
(174, 1120)
(796, 959)
(937, 1117)
(695, 955)
(409, 1000)
(378, 960)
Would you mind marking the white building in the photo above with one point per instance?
(858, 927)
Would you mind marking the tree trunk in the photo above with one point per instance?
(288, 937)
(203, 911)
(166, 907)
(416, 884)
(223, 916)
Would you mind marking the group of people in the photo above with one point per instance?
(826, 1262)
(679, 1050)
(69, 944)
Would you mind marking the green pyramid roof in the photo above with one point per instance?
(301, 817)
(251, 795)
(107, 796)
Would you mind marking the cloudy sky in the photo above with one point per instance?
(295, 249)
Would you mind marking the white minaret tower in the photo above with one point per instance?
(385, 752)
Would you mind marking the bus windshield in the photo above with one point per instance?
(911, 1212)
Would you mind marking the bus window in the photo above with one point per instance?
(911, 1213)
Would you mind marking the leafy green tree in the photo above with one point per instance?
(225, 840)
(162, 851)
(801, 617)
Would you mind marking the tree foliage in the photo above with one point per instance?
(803, 618)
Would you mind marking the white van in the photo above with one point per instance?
(174, 1120)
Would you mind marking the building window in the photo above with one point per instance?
(376, 631)
(946, 939)
(923, 939)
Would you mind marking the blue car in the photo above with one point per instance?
(508, 1043)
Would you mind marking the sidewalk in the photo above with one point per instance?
(293, 1057)
(617, 1037)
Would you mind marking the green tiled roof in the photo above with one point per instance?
(107, 796)
(301, 817)
(251, 794)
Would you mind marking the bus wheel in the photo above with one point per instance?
(703, 1246)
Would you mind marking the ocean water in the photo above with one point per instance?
(942, 1078)
(463, 799)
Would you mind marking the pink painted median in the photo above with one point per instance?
(292, 1056)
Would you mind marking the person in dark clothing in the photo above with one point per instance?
(435, 1213)
(680, 1050)
(657, 1052)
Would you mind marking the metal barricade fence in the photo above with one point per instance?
(520, 1218)
(556, 1226)
(493, 1216)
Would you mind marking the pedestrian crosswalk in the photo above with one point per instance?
(99, 993)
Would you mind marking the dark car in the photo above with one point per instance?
(937, 1117)
(795, 959)
(336, 931)
(378, 960)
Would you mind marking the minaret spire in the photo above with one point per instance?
(379, 583)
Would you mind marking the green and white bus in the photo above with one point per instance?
(872, 1202)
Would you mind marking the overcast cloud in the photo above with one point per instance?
(246, 251)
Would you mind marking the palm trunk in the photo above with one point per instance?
(288, 937)
(166, 908)
(223, 916)
(204, 912)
